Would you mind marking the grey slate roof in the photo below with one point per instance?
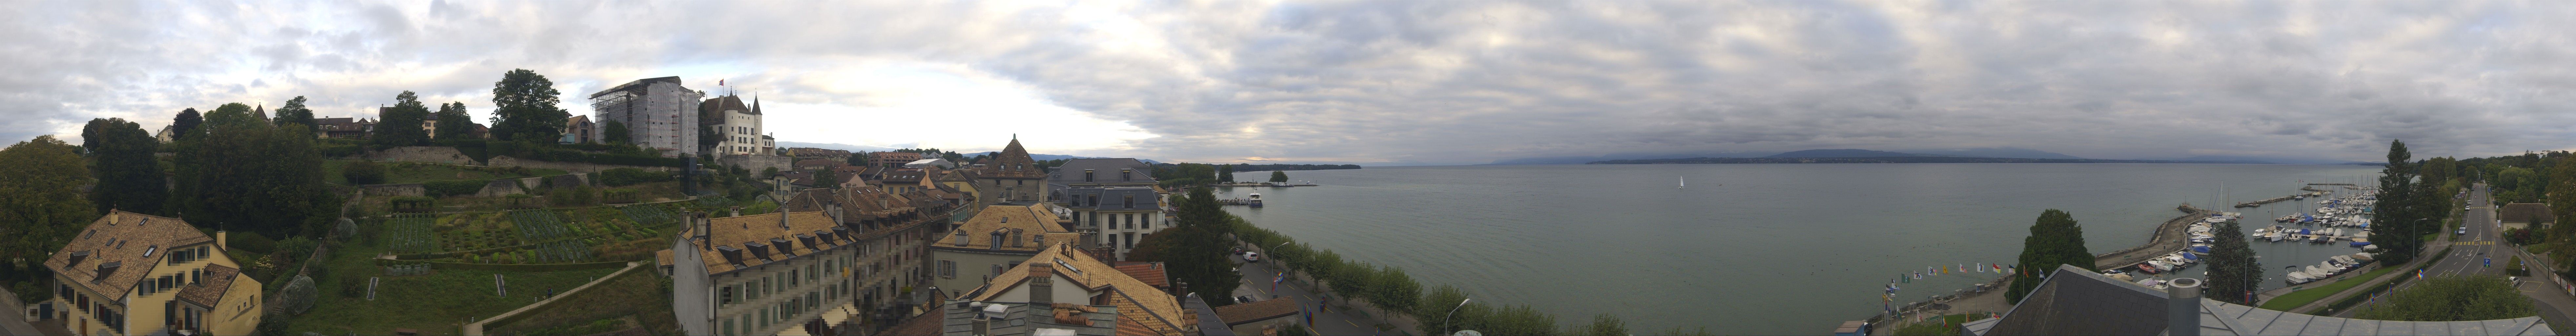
(1017, 320)
(2076, 301)
(1104, 171)
(1111, 199)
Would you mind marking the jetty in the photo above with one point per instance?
(2172, 236)
(2340, 184)
(2311, 192)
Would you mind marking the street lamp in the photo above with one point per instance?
(1453, 311)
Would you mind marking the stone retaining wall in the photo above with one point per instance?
(428, 154)
(577, 167)
(407, 189)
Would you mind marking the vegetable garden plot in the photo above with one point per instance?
(410, 233)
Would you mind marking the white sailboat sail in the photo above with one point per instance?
(1679, 182)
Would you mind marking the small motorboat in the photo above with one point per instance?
(2149, 267)
(2204, 249)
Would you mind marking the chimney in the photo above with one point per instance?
(699, 219)
(1041, 284)
(2182, 310)
(219, 241)
(985, 317)
(737, 212)
(782, 220)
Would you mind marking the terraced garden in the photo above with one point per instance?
(410, 233)
(560, 243)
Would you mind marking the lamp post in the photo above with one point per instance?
(1453, 311)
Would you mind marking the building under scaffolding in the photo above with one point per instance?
(658, 113)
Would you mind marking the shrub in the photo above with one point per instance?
(250, 242)
(363, 172)
(297, 247)
(631, 176)
(446, 188)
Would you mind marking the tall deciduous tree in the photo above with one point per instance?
(2398, 218)
(128, 177)
(1225, 173)
(401, 124)
(523, 108)
(827, 179)
(295, 113)
(232, 113)
(185, 124)
(453, 121)
(2055, 239)
(1278, 176)
(254, 176)
(614, 132)
(2233, 272)
(41, 203)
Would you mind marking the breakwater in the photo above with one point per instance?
(2169, 237)
(2310, 192)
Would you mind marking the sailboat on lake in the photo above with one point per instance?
(1679, 182)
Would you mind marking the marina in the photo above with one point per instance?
(1891, 219)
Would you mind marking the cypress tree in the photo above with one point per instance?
(2233, 272)
(2055, 239)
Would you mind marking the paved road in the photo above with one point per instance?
(2469, 252)
(1256, 282)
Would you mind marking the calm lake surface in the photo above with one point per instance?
(1750, 248)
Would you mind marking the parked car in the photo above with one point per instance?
(1243, 299)
(2463, 231)
(1252, 256)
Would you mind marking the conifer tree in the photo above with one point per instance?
(2233, 272)
(2055, 239)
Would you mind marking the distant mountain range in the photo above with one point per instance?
(2017, 154)
(1887, 159)
(859, 148)
(1995, 152)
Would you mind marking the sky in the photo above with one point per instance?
(1391, 82)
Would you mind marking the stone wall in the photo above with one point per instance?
(501, 187)
(409, 189)
(577, 167)
(429, 154)
(757, 163)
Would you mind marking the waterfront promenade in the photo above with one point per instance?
(2172, 235)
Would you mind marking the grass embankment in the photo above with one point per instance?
(436, 304)
(2285, 302)
(1944, 325)
(633, 300)
(409, 172)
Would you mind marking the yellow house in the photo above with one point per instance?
(963, 181)
(137, 274)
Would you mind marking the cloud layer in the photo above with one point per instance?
(1383, 82)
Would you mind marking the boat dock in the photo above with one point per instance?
(2170, 237)
(2340, 184)
(2311, 192)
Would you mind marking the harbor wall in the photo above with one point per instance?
(2169, 237)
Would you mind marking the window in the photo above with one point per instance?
(726, 295)
(728, 327)
(948, 269)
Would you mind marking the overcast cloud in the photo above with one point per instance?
(1414, 82)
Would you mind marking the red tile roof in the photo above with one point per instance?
(1151, 272)
(1256, 311)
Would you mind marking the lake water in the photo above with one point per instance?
(1749, 248)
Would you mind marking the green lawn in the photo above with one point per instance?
(1944, 325)
(2302, 297)
(436, 304)
(638, 296)
(406, 172)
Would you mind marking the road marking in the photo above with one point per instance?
(1353, 324)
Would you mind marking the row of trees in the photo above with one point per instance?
(1391, 289)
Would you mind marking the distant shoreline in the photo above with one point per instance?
(1900, 159)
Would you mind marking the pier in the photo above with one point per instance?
(2311, 192)
(2340, 184)
(2172, 236)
